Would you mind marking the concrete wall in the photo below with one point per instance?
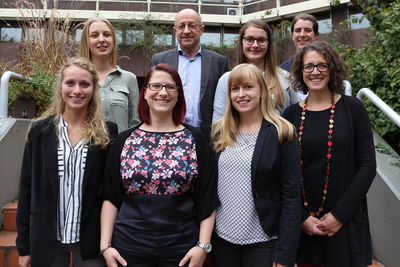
(384, 209)
(12, 141)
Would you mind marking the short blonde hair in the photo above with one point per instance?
(84, 50)
(94, 129)
(224, 131)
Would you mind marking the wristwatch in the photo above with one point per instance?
(206, 246)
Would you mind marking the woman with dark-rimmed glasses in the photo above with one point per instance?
(256, 47)
(160, 189)
(337, 160)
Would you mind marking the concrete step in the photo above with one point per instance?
(10, 215)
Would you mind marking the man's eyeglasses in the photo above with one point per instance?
(322, 67)
(159, 87)
(249, 40)
(191, 26)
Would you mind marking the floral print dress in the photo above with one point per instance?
(158, 163)
(158, 171)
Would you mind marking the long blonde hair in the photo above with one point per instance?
(94, 128)
(84, 50)
(224, 131)
(270, 67)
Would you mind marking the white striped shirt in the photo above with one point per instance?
(71, 168)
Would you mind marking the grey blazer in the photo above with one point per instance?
(213, 65)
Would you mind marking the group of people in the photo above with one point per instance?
(206, 160)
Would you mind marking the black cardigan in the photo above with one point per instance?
(205, 185)
(275, 175)
(38, 194)
(351, 209)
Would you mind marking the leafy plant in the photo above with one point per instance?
(377, 64)
(43, 50)
(383, 149)
(146, 35)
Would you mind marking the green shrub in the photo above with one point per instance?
(377, 64)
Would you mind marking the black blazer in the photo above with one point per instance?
(38, 195)
(213, 65)
(275, 176)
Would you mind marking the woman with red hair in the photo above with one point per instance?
(160, 191)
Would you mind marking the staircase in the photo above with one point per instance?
(8, 249)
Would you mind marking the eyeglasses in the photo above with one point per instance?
(322, 67)
(249, 40)
(159, 87)
(191, 26)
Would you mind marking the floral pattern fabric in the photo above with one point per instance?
(155, 163)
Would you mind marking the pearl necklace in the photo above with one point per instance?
(328, 157)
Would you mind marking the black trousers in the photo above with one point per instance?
(151, 259)
(63, 253)
(225, 254)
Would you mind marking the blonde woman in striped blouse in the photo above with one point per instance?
(58, 208)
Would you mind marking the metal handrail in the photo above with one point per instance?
(5, 79)
(366, 92)
(347, 87)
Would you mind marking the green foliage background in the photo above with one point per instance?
(377, 64)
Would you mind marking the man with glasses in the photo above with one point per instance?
(199, 68)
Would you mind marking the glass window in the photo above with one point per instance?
(11, 34)
(78, 35)
(324, 26)
(134, 36)
(32, 34)
(230, 38)
(119, 36)
(211, 38)
(358, 21)
(163, 39)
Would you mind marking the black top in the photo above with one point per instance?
(314, 141)
(353, 168)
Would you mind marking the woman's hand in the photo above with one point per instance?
(24, 261)
(274, 264)
(329, 225)
(111, 255)
(195, 256)
(309, 226)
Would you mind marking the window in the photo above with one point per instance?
(78, 35)
(230, 38)
(358, 21)
(211, 38)
(163, 39)
(324, 26)
(11, 34)
(134, 36)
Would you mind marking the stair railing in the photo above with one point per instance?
(5, 79)
(388, 111)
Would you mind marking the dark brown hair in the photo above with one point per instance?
(337, 68)
(306, 17)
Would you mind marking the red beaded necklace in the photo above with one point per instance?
(328, 156)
